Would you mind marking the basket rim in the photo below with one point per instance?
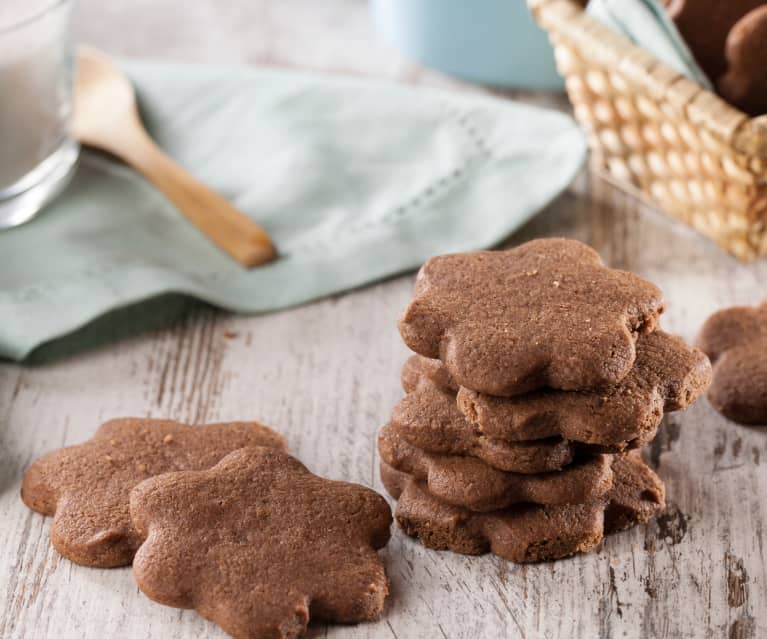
(746, 134)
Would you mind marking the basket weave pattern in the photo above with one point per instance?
(660, 135)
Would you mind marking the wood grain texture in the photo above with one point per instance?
(326, 375)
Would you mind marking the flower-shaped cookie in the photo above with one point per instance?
(547, 313)
(428, 417)
(745, 83)
(469, 482)
(528, 532)
(705, 25)
(419, 372)
(86, 487)
(668, 375)
(736, 341)
(259, 545)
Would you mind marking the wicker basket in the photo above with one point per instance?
(661, 136)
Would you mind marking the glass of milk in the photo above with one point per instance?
(37, 153)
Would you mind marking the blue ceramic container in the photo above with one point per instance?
(493, 42)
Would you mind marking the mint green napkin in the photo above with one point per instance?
(355, 180)
(646, 23)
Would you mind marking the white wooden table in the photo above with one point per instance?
(326, 375)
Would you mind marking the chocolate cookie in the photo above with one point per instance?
(469, 482)
(705, 25)
(259, 545)
(745, 82)
(636, 496)
(522, 534)
(86, 487)
(668, 375)
(419, 371)
(527, 533)
(429, 418)
(547, 313)
(736, 341)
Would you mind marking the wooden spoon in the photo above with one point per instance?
(106, 117)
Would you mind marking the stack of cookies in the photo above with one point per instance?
(539, 375)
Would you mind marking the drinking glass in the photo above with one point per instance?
(37, 152)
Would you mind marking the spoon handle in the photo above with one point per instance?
(229, 228)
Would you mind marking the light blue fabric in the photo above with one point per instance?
(495, 42)
(646, 23)
(355, 181)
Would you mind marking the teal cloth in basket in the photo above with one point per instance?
(355, 180)
(646, 23)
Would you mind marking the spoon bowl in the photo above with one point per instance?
(106, 117)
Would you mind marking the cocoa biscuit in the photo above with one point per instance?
(259, 545)
(636, 496)
(419, 371)
(668, 375)
(736, 341)
(523, 533)
(429, 419)
(745, 82)
(86, 487)
(469, 482)
(527, 532)
(547, 313)
(705, 25)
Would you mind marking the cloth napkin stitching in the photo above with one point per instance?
(467, 126)
(430, 193)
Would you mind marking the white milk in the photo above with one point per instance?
(35, 87)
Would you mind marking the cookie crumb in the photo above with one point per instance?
(556, 283)
(142, 468)
(168, 439)
(113, 442)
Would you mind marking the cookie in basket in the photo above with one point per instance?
(705, 25)
(745, 82)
